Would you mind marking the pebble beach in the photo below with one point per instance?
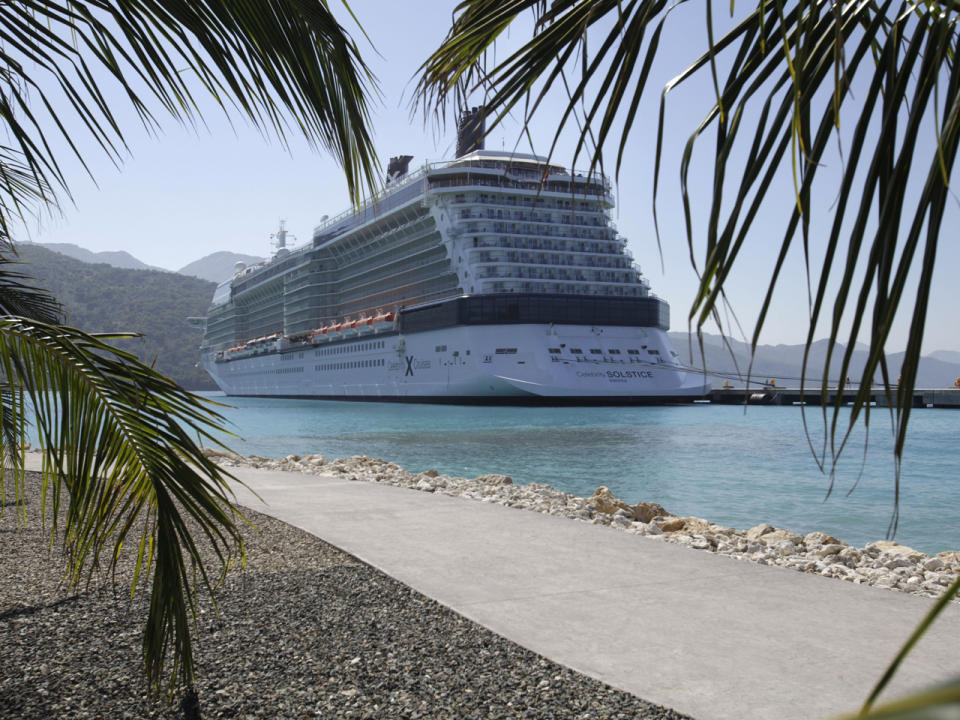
(305, 631)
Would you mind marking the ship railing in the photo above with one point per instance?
(421, 173)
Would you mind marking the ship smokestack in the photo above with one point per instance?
(398, 167)
(470, 130)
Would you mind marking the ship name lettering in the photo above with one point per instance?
(629, 374)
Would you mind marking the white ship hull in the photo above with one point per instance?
(520, 363)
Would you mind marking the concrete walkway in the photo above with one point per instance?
(705, 634)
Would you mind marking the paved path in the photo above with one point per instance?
(705, 634)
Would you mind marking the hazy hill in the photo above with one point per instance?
(217, 266)
(101, 298)
(784, 361)
(950, 356)
(118, 258)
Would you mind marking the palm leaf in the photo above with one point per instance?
(121, 440)
(287, 66)
(789, 67)
(122, 459)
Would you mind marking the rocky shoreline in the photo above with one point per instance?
(884, 564)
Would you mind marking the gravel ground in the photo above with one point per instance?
(305, 631)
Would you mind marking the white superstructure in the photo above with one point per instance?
(491, 278)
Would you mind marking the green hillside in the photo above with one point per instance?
(102, 298)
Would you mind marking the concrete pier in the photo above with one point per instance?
(773, 395)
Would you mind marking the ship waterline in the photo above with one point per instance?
(490, 278)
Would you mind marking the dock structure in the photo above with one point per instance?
(773, 395)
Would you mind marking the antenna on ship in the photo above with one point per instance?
(280, 238)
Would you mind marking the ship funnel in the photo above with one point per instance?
(470, 130)
(398, 167)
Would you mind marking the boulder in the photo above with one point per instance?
(606, 502)
(889, 547)
(850, 556)
(950, 557)
(758, 531)
(495, 479)
(700, 543)
(778, 536)
(783, 548)
(672, 524)
(827, 550)
(646, 511)
(816, 539)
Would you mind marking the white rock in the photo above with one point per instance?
(758, 531)
(827, 550)
(700, 543)
(892, 562)
(815, 539)
(784, 548)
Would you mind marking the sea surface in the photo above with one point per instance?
(730, 466)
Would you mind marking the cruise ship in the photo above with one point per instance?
(493, 278)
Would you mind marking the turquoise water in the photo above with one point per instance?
(712, 461)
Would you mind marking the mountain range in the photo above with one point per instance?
(100, 295)
(215, 267)
(218, 266)
(115, 258)
(730, 361)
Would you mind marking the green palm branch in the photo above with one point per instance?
(123, 466)
(783, 79)
(789, 66)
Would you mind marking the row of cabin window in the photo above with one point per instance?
(374, 362)
(598, 351)
(340, 349)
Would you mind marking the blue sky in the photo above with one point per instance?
(189, 192)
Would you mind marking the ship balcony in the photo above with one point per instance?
(546, 197)
(564, 288)
(543, 242)
(565, 274)
(548, 252)
(575, 261)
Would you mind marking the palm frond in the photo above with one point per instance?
(122, 461)
(18, 296)
(286, 66)
(789, 67)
